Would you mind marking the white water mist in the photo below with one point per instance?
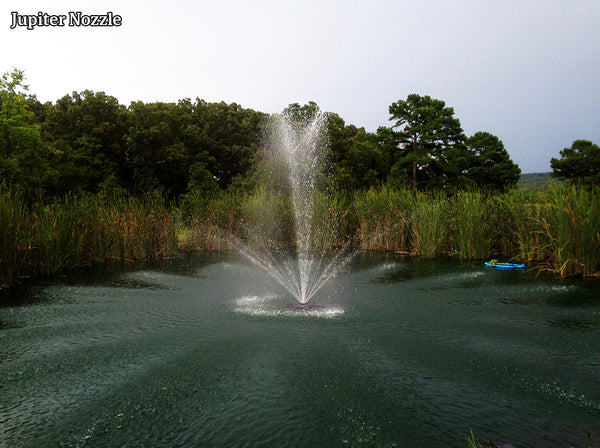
(299, 146)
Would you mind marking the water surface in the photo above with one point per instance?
(202, 352)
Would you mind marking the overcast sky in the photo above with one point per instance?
(528, 71)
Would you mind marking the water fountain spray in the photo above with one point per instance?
(299, 144)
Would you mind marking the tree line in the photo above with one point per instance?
(87, 141)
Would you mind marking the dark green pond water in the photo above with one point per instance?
(201, 352)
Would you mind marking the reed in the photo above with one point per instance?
(333, 222)
(471, 442)
(141, 228)
(209, 221)
(559, 227)
(15, 236)
(524, 213)
(59, 234)
(428, 225)
(472, 227)
(573, 229)
(267, 221)
(80, 230)
(382, 219)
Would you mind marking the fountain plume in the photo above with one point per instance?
(296, 148)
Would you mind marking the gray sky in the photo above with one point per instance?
(528, 71)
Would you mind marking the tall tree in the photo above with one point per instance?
(352, 159)
(230, 135)
(491, 166)
(87, 129)
(579, 163)
(24, 159)
(356, 159)
(424, 129)
(156, 146)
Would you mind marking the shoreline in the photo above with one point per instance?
(556, 229)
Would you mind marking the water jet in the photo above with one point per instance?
(296, 151)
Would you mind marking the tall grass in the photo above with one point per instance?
(471, 220)
(209, 221)
(559, 227)
(267, 220)
(428, 225)
(80, 230)
(15, 236)
(140, 228)
(525, 213)
(573, 230)
(382, 217)
(334, 221)
(262, 218)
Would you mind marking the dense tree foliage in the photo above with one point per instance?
(491, 166)
(87, 141)
(86, 131)
(428, 139)
(357, 159)
(427, 148)
(353, 158)
(24, 158)
(579, 164)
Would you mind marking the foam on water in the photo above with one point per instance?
(270, 305)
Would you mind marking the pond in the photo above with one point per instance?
(201, 351)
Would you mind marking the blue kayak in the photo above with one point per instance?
(505, 265)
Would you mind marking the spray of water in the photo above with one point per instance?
(299, 144)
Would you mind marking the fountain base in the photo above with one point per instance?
(304, 306)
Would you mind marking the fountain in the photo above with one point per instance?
(296, 148)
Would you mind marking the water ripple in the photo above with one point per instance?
(212, 357)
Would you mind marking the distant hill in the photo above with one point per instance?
(536, 179)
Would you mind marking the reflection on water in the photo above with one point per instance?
(202, 351)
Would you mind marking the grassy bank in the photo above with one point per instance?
(79, 230)
(559, 227)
